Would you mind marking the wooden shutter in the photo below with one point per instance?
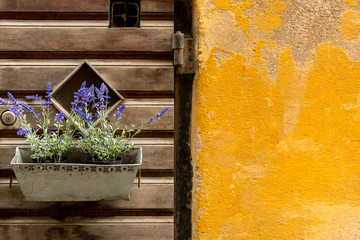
(43, 41)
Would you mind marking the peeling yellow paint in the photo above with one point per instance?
(350, 24)
(277, 158)
(238, 9)
(271, 17)
(351, 3)
(291, 83)
(256, 52)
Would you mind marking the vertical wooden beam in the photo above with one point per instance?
(182, 128)
(183, 160)
(183, 17)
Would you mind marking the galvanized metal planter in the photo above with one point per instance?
(75, 181)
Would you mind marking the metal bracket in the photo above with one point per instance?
(183, 53)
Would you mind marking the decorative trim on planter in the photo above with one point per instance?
(72, 168)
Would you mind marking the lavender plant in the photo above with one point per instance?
(102, 142)
(45, 143)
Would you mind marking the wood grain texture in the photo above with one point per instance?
(183, 224)
(123, 78)
(59, 39)
(35, 52)
(77, 228)
(93, 6)
(95, 62)
(79, 15)
(85, 55)
(78, 23)
(157, 155)
(151, 195)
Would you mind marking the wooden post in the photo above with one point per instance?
(182, 128)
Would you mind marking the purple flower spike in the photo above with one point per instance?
(48, 90)
(98, 93)
(46, 103)
(23, 132)
(91, 93)
(17, 111)
(151, 120)
(83, 115)
(162, 112)
(88, 118)
(36, 115)
(83, 97)
(3, 102)
(103, 88)
(119, 112)
(28, 109)
(59, 117)
(34, 97)
(12, 99)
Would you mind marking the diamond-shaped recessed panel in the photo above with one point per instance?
(63, 94)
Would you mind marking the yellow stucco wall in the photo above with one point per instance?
(276, 120)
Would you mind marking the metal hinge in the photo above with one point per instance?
(183, 53)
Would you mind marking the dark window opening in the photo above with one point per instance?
(125, 13)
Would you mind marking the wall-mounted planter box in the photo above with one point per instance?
(75, 181)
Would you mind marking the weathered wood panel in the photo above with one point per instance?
(85, 55)
(78, 6)
(55, 39)
(154, 193)
(94, 62)
(75, 228)
(123, 78)
(30, 55)
(78, 23)
(80, 15)
(157, 154)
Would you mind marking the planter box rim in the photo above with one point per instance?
(14, 161)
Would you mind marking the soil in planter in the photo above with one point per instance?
(63, 160)
(97, 161)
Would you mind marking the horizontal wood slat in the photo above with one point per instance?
(155, 156)
(86, 212)
(85, 55)
(59, 39)
(86, 221)
(137, 112)
(78, 23)
(94, 62)
(92, 6)
(150, 196)
(75, 228)
(80, 16)
(154, 231)
(123, 78)
(55, 15)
